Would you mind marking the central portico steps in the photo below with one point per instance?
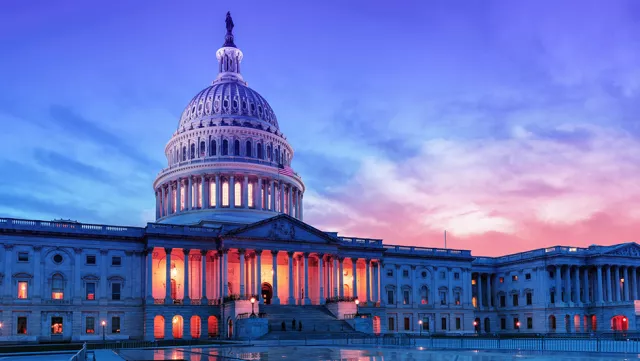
(325, 322)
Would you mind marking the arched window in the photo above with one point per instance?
(424, 295)
(236, 147)
(278, 157)
(247, 151)
(202, 149)
(225, 147)
(158, 327)
(177, 326)
(259, 150)
(250, 195)
(193, 151)
(237, 194)
(57, 287)
(225, 194)
(212, 148)
(212, 194)
(268, 152)
(195, 327)
(184, 153)
(212, 326)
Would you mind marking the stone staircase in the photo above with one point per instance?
(317, 321)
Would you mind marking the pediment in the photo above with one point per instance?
(628, 250)
(282, 228)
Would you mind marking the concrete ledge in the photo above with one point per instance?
(106, 355)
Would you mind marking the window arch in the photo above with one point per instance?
(236, 147)
(237, 194)
(158, 327)
(259, 150)
(268, 152)
(250, 195)
(195, 327)
(184, 153)
(202, 148)
(193, 151)
(278, 157)
(247, 151)
(424, 295)
(225, 194)
(212, 148)
(57, 287)
(225, 147)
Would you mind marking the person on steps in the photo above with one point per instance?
(284, 326)
(299, 326)
(293, 324)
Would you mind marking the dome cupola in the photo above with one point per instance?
(228, 161)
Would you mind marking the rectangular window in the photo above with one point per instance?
(457, 296)
(503, 323)
(91, 259)
(91, 325)
(443, 275)
(443, 323)
(552, 275)
(529, 323)
(115, 324)
(458, 323)
(456, 276)
(503, 301)
(473, 282)
(514, 299)
(501, 279)
(407, 324)
(514, 278)
(405, 273)
(238, 195)
(527, 276)
(405, 297)
(389, 273)
(22, 326)
(443, 297)
(115, 291)
(529, 298)
(553, 296)
(390, 298)
(91, 291)
(56, 325)
(116, 261)
(250, 195)
(391, 324)
(212, 194)
(23, 256)
(23, 290)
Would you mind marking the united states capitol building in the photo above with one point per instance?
(230, 227)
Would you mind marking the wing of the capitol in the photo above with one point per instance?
(230, 256)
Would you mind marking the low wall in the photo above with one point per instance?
(251, 328)
(339, 309)
(361, 324)
(532, 344)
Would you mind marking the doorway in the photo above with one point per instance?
(267, 293)
(56, 326)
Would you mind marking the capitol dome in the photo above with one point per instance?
(228, 162)
(228, 99)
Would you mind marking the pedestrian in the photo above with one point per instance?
(300, 326)
(284, 326)
(293, 324)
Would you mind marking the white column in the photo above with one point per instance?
(245, 192)
(259, 275)
(149, 272)
(187, 297)
(252, 285)
(189, 202)
(170, 197)
(307, 300)
(626, 284)
(489, 293)
(335, 277)
(634, 281)
(163, 203)
(232, 192)
(291, 300)
(341, 275)
(218, 192)
(354, 271)
(260, 195)
(301, 207)
(617, 284)
(576, 285)
(321, 278)
(167, 283)
(558, 282)
(608, 282)
(178, 195)
(103, 274)
(290, 201)
(242, 266)
(157, 205)
(274, 259)
(215, 276)
(479, 285)
(203, 275)
(585, 285)
(205, 191)
(367, 272)
(281, 210)
(77, 276)
(224, 273)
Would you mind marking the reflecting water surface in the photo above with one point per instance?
(331, 353)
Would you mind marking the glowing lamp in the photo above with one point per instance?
(174, 272)
(104, 323)
(622, 280)
(357, 301)
(624, 319)
(420, 322)
(253, 300)
(518, 324)
(475, 323)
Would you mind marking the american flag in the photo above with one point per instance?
(285, 170)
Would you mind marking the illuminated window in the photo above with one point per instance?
(237, 194)
(91, 325)
(225, 194)
(501, 279)
(56, 325)
(183, 198)
(514, 278)
(200, 188)
(91, 291)
(115, 324)
(22, 326)
(474, 301)
(23, 290)
(473, 282)
(212, 194)
(57, 287)
(250, 195)
(269, 201)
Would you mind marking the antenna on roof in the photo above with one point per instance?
(445, 239)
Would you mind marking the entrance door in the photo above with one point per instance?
(267, 293)
(56, 326)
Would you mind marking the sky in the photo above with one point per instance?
(512, 125)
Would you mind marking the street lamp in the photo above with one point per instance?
(475, 326)
(0, 328)
(253, 301)
(104, 323)
(518, 326)
(357, 301)
(420, 323)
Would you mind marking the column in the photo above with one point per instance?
(479, 285)
(215, 276)
(252, 285)
(616, 282)
(290, 201)
(189, 192)
(170, 198)
(259, 275)
(567, 284)
(398, 287)
(307, 300)
(585, 285)
(232, 192)
(149, 272)
(321, 280)
(274, 268)
(187, 294)
(281, 210)
(608, 281)
(178, 195)
(77, 276)
(301, 207)
(167, 282)
(245, 193)
(489, 293)
(626, 284)
(291, 300)
(354, 272)
(576, 281)
(218, 192)
(203, 276)
(103, 274)
(272, 199)
(634, 281)
(335, 276)
(205, 191)
(377, 268)
(163, 203)
(341, 275)
(157, 205)
(260, 195)
(558, 291)
(241, 253)
(224, 273)
(367, 271)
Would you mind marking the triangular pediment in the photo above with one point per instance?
(628, 249)
(282, 228)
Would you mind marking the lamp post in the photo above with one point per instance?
(357, 301)
(420, 323)
(0, 328)
(518, 326)
(475, 326)
(253, 301)
(104, 339)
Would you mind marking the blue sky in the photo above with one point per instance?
(512, 124)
